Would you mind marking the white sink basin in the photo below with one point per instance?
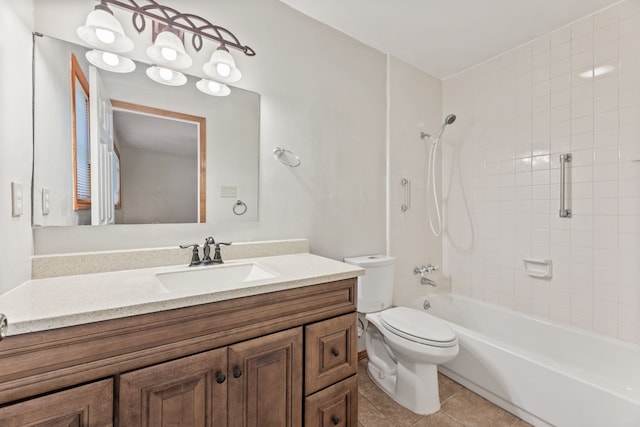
(200, 280)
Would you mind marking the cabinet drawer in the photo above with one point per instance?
(336, 405)
(331, 352)
(89, 405)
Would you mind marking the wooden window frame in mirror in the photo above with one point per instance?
(77, 75)
(202, 129)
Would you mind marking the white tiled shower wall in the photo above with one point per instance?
(516, 114)
(415, 105)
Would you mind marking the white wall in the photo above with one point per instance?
(54, 165)
(322, 96)
(415, 105)
(516, 114)
(16, 23)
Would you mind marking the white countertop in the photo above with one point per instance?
(43, 304)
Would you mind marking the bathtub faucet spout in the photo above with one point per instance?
(425, 281)
(423, 271)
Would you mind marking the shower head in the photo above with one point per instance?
(447, 121)
(450, 119)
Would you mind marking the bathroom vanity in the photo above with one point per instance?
(281, 353)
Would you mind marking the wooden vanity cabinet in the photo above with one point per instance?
(240, 362)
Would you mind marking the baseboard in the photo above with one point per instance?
(362, 355)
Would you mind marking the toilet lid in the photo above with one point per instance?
(418, 326)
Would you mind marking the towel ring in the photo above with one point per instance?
(286, 157)
(239, 208)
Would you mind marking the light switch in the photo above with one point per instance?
(45, 201)
(16, 199)
(229, 192)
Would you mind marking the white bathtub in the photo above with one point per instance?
(544, 372)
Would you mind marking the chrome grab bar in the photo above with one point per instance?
(406, 183)
(564, 211)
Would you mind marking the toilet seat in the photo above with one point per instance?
(418, 326)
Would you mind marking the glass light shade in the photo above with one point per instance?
(222, 67)
(166, 76)
(168, 51)
(103, 31)
(213, 88)
(110, 61)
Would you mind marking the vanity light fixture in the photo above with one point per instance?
(110, 61)
(166, 76)
(222, 66)
(211, 87)
(103, 32)
(168, 51)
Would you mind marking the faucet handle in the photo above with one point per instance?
(424, 269)
(217, 257)
(431, 268)
(195, 255)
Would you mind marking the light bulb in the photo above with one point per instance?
(223, 69)
(105, 36)
(214, 87)
(169, 54)
(110, 59)
(165, 74)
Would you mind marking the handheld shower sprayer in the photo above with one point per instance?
(431, 173)
(447, 121)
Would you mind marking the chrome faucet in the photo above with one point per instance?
(426, 269)
(426, 281)
(217, 257)
(206, 252)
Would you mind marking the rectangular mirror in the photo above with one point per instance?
(173, 154)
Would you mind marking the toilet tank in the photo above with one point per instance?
(375, 288)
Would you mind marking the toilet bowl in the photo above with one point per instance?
(404, 345)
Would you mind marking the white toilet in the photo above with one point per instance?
(404, 345)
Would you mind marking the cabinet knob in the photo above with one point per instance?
(335, 420)
(220, 378)
(335, 352)
(237, 372)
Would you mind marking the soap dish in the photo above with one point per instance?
(540, 268)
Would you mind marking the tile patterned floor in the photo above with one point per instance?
(459, 407)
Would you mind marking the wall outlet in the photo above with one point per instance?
(46, 205)
(16, 199)
(229, 192)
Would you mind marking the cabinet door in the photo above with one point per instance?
(191, 391)
(265, 381)
(89, 405)
(336, 405)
